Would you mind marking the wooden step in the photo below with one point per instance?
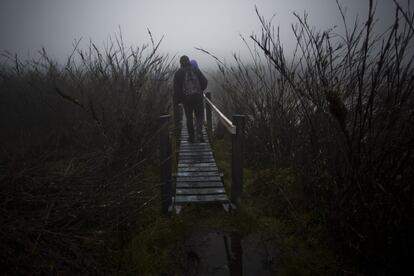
(200, 191)
(198, 178)
(183, 199)
(183, 184)
(197, 173)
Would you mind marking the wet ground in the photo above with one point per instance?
(227, 253)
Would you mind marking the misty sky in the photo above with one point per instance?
(215, 25)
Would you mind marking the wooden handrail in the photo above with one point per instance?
(236, 128)
(226, 122)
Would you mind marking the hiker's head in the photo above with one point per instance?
(184, 60)
(194, 63)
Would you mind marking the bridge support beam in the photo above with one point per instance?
(209, 116)
(237, 162)
(165, 163)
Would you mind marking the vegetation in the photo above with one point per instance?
(77, 155)
(330, 132)
(329, 136)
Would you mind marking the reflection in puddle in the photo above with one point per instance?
(217, 253)
(234, 252)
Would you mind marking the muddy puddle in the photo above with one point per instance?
(228, 253)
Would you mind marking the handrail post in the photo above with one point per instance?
(209, 116)
(165, 163)
(237, 156)
(177, 116)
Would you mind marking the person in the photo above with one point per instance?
(194, 63)
(189, 84)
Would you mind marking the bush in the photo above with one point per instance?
(77, 155)
(339, 114)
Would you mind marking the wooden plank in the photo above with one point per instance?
(185, 135)
(195, 144)
(198, 173)
(196, 161)
(200, 191)
(184, 184)
(196, 153)
(198, 178)
(195, 147)
(199, 169)
(182, 199)
(196, 165)
(198, 149)
(206, 159)
(184, 139)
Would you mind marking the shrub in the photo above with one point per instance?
(77, 151)
(339, 113)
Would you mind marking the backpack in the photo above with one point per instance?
(191, 83)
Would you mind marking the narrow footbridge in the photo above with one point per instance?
(197, 179)
(190, 175)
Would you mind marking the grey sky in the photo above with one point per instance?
(215, 25)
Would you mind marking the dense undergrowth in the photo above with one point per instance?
(78, 156)
(329, 132)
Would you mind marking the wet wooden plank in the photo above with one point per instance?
(185, 136)
(198, 173)
(195, 144)
(207, 158)
(200, 169)
(183, 184)
(184, 140)
(182, 199)
(198, 178)
(196, 165)
(199, 149)
(200, 191)
(204, 154)
(199, 156)
(195, 147)
(196, 161)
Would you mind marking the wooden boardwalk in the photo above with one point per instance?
(197, 179)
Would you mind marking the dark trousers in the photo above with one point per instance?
(193, 104)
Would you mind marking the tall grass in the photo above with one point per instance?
(77, 154)
(338, 115)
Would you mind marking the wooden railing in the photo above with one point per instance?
(235, 128)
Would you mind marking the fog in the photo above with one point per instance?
(214, 25)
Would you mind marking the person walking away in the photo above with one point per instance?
(189, 84)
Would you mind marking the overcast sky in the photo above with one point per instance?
(215, 25)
